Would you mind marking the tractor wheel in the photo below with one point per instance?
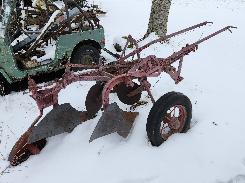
(170, 114)
(4, 88)
(123, 91)
(85, 54)
(93, 100)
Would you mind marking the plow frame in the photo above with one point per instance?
(122, 71)
(119, 72)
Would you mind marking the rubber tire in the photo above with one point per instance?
(94, 96)
(122, 90)
(80, 53)
(160, 107)
(4, 86)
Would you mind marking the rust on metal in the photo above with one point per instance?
(113, 120)
(122, 71)
(111, 75)
(173, 121)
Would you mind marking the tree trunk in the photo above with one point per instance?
(159, 17)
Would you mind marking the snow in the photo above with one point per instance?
(59, 4)
(19, 39)
(49, 52)
(212, 151)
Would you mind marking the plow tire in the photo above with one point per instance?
(159, 112)
(93, 100)
(123, 91)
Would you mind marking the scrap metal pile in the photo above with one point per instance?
(127, 77)
(36, 26)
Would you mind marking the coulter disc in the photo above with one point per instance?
(123, 93)
(93, 101)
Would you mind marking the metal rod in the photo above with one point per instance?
(214, 34)
(164, 38)
(115, 55)
(192, 47)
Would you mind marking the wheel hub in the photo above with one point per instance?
(87, 60)
(173, 121)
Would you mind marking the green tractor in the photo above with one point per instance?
(40, 37)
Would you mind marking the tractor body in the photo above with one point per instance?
(30, 49)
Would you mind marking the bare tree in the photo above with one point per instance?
(159, 17)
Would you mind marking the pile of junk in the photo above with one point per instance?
(36, 25)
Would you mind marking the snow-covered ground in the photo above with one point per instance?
(211, 151)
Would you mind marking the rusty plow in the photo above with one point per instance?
(170, 114)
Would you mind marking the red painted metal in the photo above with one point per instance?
(33, 149)
(175, 122)
(122, 70)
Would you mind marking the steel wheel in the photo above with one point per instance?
(123, 91)
(93, 100)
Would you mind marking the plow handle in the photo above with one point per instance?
(164, 38)
(192, 47)
(183, 31)
(152, 66)
(215, 34)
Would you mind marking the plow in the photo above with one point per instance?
(128, 78)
